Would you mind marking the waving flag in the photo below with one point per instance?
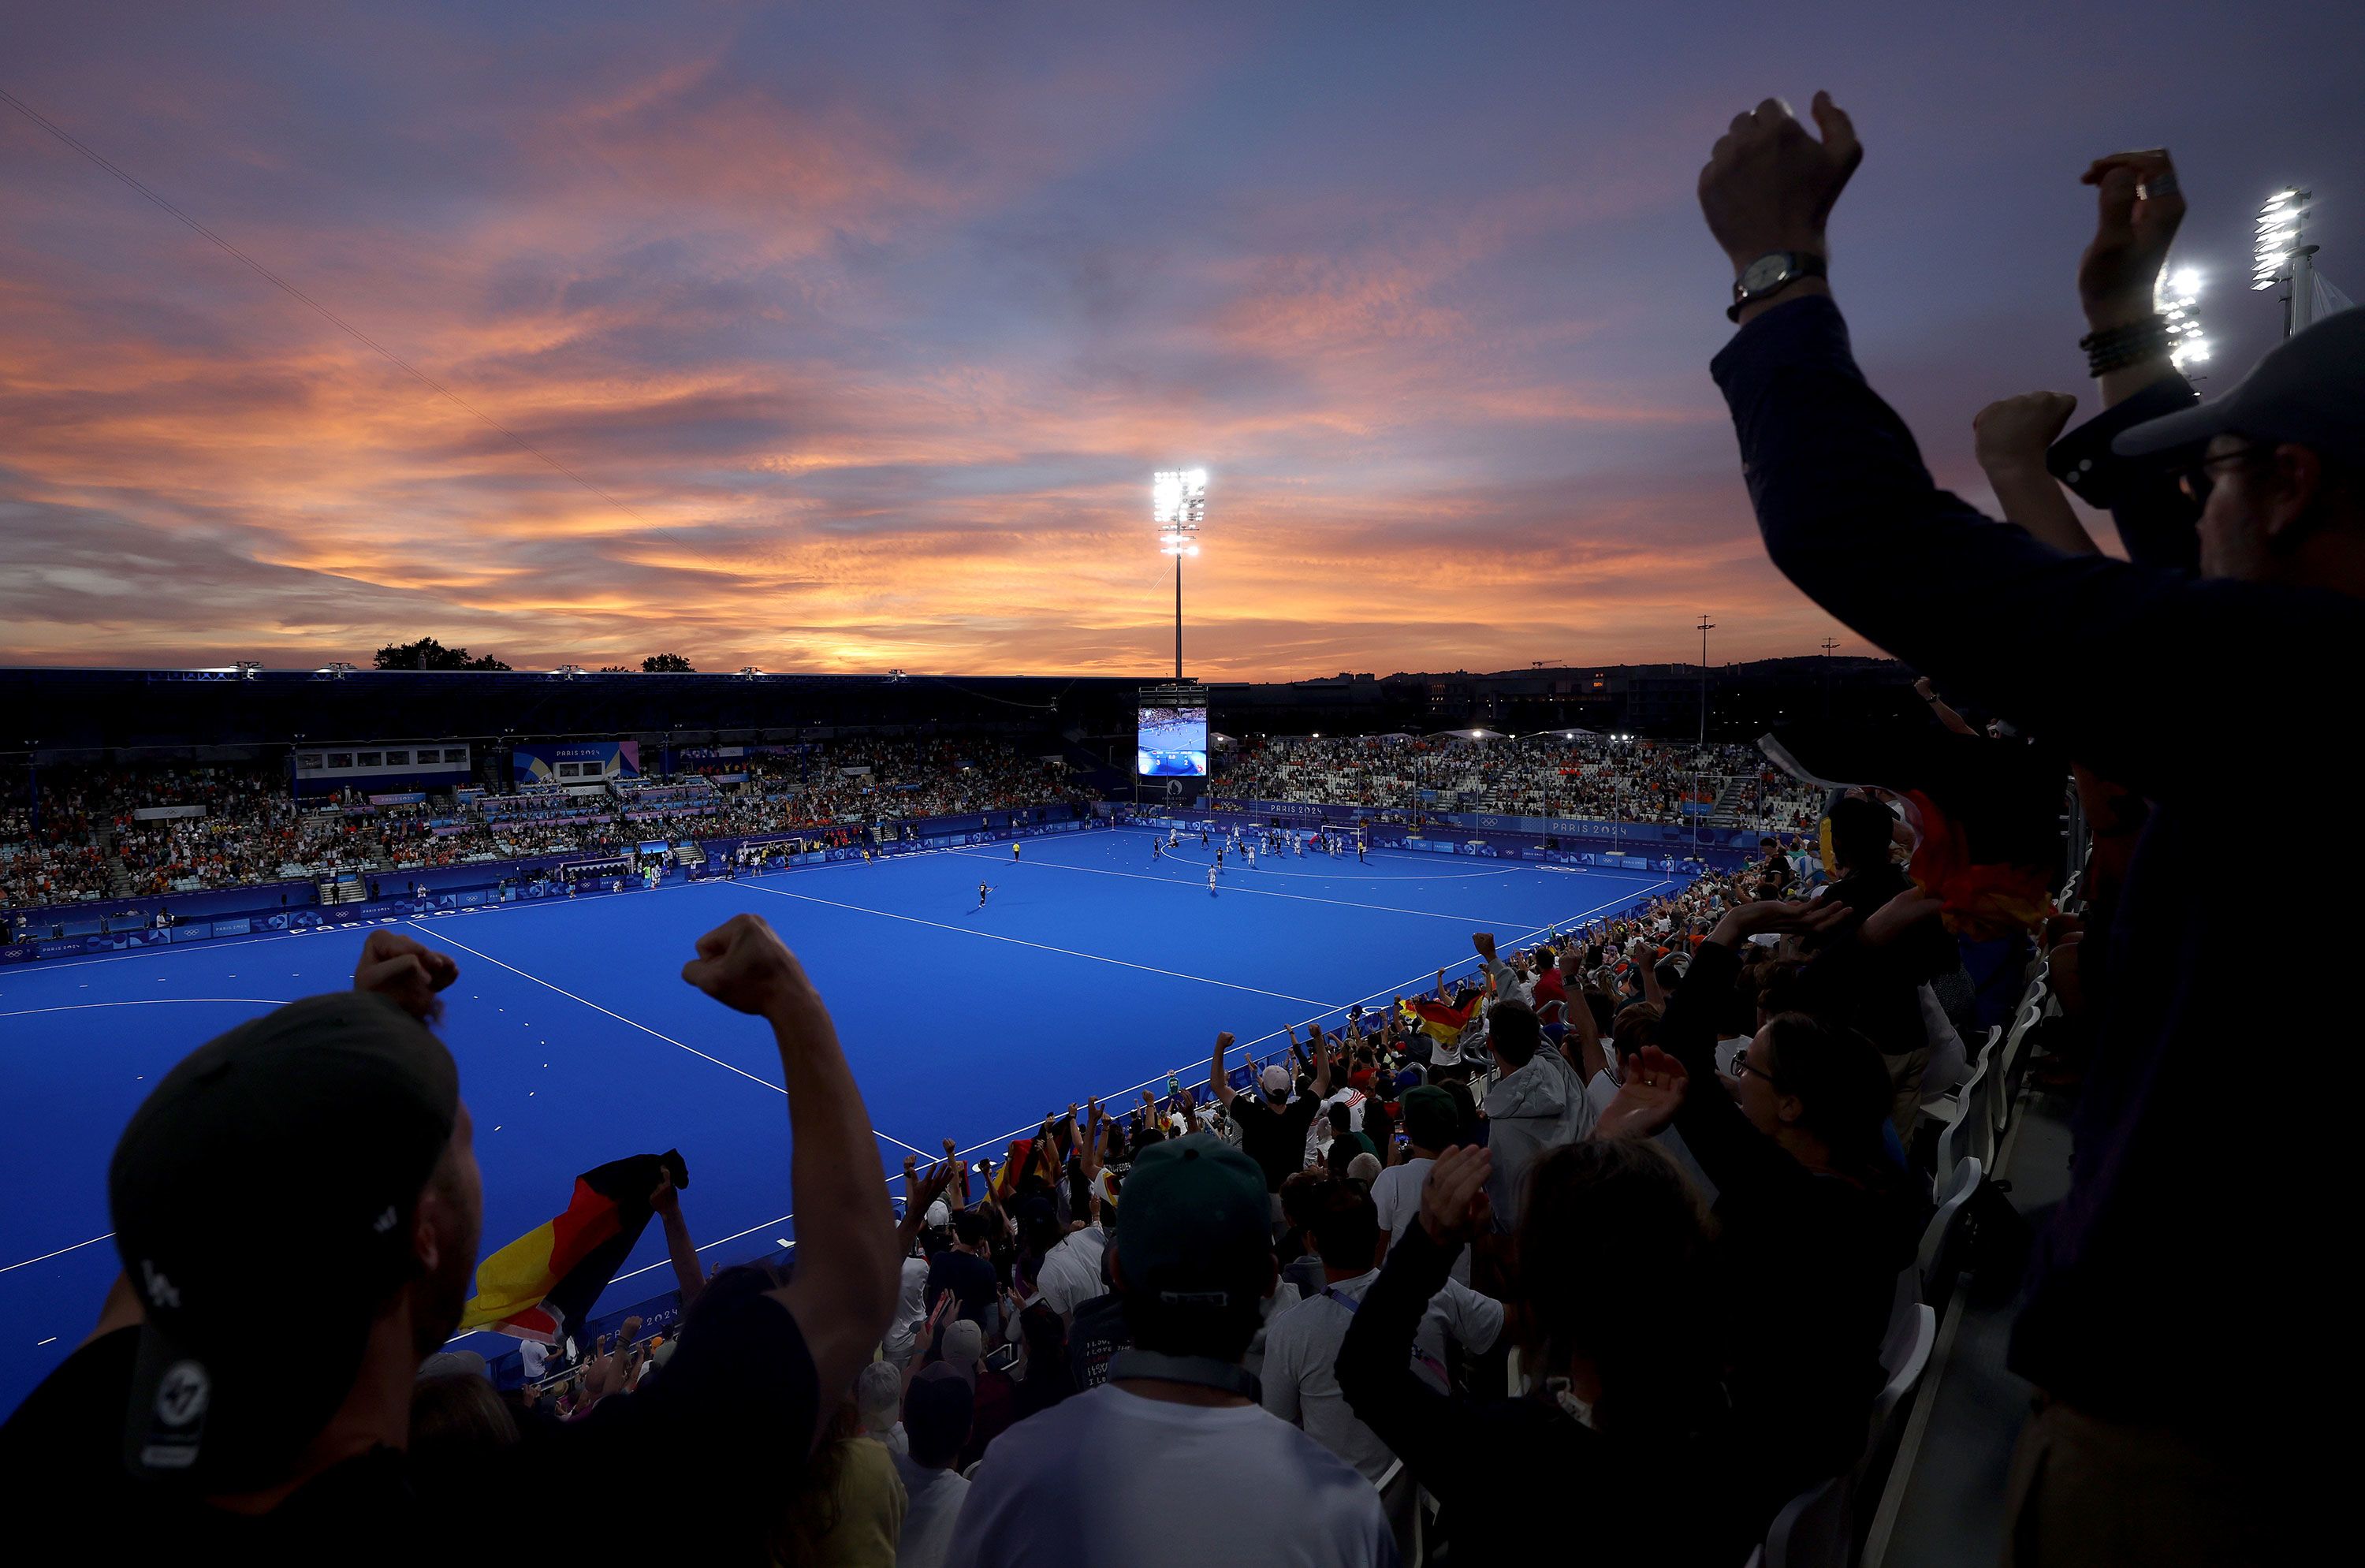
(1038, 1155)
(1440, 1022)
(546, 1280)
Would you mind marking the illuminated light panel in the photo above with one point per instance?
(1177, 497)
(2174, 296)
(2278, 237)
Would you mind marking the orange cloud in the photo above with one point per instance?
(776, 367)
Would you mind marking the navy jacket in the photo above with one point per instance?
(2183, 1279)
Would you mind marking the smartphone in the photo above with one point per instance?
(1001, 1357)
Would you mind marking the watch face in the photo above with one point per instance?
(1766, 272)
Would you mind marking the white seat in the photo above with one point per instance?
(1938, 1237)
(2015, 1048)
(1963, 1115)
(1904, 1359)
(1813, 1529)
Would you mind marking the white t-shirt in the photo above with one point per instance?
(930, 1514)
(1070, 1274)
(1301, 1357)
(533, 1355)
(1396, 1194)
(1094, 1482)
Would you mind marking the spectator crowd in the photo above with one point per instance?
(1552, 774)
(247, 827)
(1599, 1249)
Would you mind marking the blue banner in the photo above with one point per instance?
(576, 762)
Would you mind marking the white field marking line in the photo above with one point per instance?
(1047, 947)
(647, 1268)
(1259, 892)
(1109, 1102)
(143, 1002)
(47, 966)
(147, 1001)
(1264, 871)
(58, 1253)
(644, 1028)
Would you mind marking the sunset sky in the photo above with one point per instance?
(864, 326)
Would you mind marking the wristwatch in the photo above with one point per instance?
(1769, 275)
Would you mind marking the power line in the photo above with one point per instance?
(300, 297)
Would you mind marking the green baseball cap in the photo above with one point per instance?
(1430, 1117)
(1198, 1222)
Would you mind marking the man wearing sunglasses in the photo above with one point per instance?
(2204, 673)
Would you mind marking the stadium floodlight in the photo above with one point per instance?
(2174, 295)
(2278, 237)
(337, 669)
(750, 672)
(568, 672)
(2283, 256)
(1178, 505)
(248, 668)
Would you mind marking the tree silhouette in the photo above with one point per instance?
(429, 654)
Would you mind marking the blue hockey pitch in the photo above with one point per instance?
(1091, 969)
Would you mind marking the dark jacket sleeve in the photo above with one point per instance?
(1440, 1437)
(2157, 522)
(1850, 515)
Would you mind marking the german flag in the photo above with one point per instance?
(543, 1284)
(1439, 1022)
(1027, 1154)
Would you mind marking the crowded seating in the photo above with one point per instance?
(1552, 774)
(1652, 1270)
(245, 827)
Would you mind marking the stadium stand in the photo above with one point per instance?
(1647, 1239)
(244, 826)
(1542, 775)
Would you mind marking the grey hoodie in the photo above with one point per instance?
(1537, 1107)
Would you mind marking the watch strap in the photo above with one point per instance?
(1796, 264)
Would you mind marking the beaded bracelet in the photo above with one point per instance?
(2117, 348)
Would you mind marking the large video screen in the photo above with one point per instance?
(1172, 742)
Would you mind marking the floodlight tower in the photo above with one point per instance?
(2282, 256)
(1178, 504)
(1706, 626)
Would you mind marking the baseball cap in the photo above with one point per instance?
(452, 1364)
(1276, 1081)
(262, 1197)
(964, 1345)
(938, 1216)
(2309, 390)
(1198, 1222)
(1429, 1118)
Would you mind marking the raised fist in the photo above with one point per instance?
(1769, 186)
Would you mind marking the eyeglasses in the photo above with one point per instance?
(2197, 480)
(1744, 1068)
